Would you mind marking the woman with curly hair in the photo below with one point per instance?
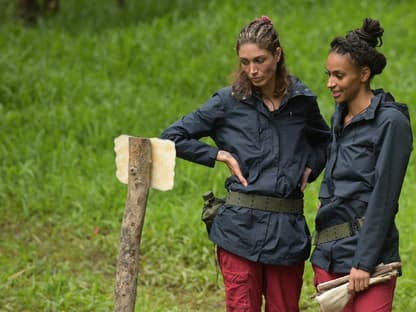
(268, 130)
(367, 162)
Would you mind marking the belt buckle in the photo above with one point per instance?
(354, 227)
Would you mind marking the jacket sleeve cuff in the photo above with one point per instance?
(311, 164)
(212, 156)
(360, 266)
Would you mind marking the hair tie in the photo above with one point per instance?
(265, 19)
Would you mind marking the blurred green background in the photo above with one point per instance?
(79, 78)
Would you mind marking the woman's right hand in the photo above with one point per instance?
(232, 164)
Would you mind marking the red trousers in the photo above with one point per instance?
(246, 282)
(377, 298)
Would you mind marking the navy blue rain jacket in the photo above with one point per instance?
(273, 149)
(363, 178)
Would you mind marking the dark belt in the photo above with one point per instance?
(267, 203)
(338, 231)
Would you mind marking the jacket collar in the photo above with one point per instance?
(296, 88)
(342, 108)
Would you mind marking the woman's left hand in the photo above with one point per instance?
(305, 177)
(359, 280)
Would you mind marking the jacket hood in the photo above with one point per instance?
(381, 100)
(297, 87)
(387, 100)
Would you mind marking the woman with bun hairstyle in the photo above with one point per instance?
(368, 157)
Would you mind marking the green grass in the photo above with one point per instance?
(77, 80)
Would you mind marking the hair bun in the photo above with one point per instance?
(371, 32)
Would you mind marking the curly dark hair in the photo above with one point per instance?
(361, 45)
(261, 32)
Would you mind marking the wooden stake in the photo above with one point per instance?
(140, 160)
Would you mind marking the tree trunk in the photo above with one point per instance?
(140, 159)
(120, 3)
(50, 6)
(28, 11)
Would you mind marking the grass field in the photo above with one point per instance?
(77, 80)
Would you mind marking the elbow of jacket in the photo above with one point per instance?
(166, 135)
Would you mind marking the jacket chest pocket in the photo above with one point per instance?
(357, 151)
